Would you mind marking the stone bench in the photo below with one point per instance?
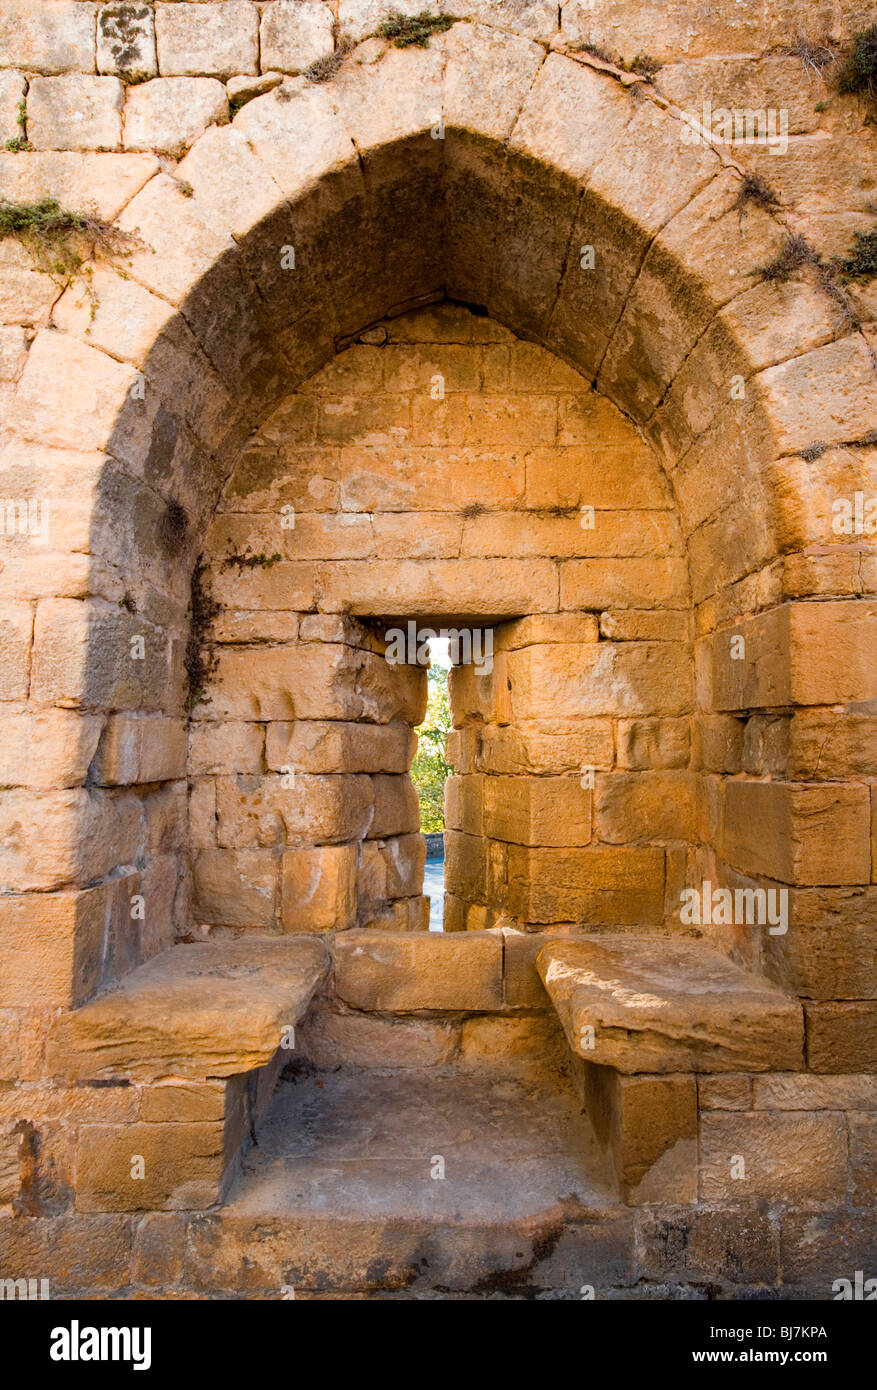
(643, 1017)
(199, 1035)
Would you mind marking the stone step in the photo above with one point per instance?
(655, 1004)
(209, 1009)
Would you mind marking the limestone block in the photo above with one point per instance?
(464, 804)
(303, 809)
(371, 883)
(16, 628)
(297, 139)
(648, 1124)
(554, 746)
(404, 856)
(572, 116)
(599, 679)
(12, 90)
(329, 1037)
(546, 627)
(465, 865)
(410, 914)
(174, 1101)
(786, 1157)
(554, 811)
(169, 113)
(314, 681)
(75, 112)
(53, 945)
(645, 806)
(51, 748)
(798, 653)
(800, 1092)
(228, 747)
(389, 973)
(523, 1043)
(54, 839)
(653, 743)
(798, 834)
(11, 1154)
(295, 33)
(96, 391)
(826, 744)
(434, 478)
(626, 581)
(487, 76)
(126, 41)
(644, 626)
(673, 30)
(319, 888)
(220, 38)
(181, 1169)
(522, 984)
(726, 1092)
(236, 888)
(136, 750)
(647, 1004)
(334, 746)
(396, 808)
(209, 1009)
(95, 654)
(827, 395)
(842, 1037)
(591, 884)
(828, 952)
(54, 36)
(478, 589)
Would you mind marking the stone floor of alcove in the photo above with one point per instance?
(356, 1145)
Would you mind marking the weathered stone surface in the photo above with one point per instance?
(828, 952)
(592, 885)
(294, 34)
(296, 810)
(789, 1158)
(169, 113)
(383, 972)
(331, 746)
(53, 945)
(12, 92)
(319, 888)
(52, 748)
(807, 835)
(236, 888)
(182, 1167)
(404, 856)
(537, 810)
(220, 38)
(134, 750)
(209, 1009)
(842, 1037)
(331, 1038)
(661, 1005)
(74, 112)
(126, 41)
(798, 1092)
(54, 36)
(57, 838)
(649, 1126)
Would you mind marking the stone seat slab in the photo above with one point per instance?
(212, 1008)
(662, 1005)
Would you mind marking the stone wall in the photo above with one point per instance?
(450, 474)
(154, 404)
